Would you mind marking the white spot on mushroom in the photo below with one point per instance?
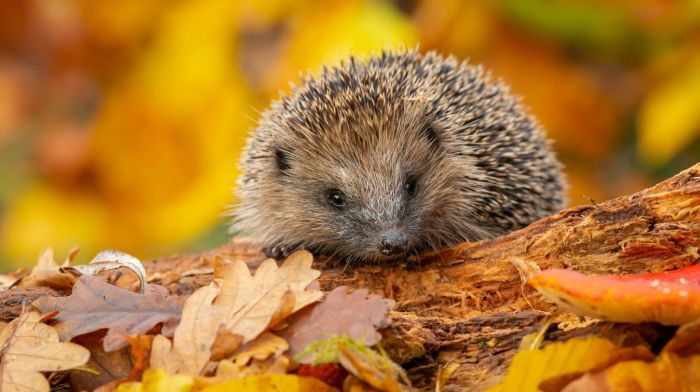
(655, 283)
(666, 290)
(683, 293)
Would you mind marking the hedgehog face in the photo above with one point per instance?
(366, 197)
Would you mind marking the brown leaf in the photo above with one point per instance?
(191, 347)
(375, 369)
(248, 304)
(356, 315)
(263, 347)
(47, 273)
(108, 367)
(140, 348)
(245, 306)
(225, 344)
(31, 347)
(95, 304)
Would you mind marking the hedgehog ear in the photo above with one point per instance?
(431, 134)
(282, 160)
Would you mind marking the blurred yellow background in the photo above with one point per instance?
(121, 122)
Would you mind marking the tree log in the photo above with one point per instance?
(469, 303)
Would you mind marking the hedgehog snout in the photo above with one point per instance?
(392, 241)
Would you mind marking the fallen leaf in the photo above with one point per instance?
(228, 370)
(530, 368)
(30, 347)
(225, 343)
(245, 306)
(356, 315)
(622, 354)
(263, 347)
(271, 383)
(669, 372)
(140, 348)
(105, 367)
(248, 304)
(190, 350)
(158, 380)
(95, 304)
(111, 260)
(686, 340)
(669, 298)
(377, 370)
(47, 273)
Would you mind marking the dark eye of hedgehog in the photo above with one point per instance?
(336, 198)
(410, 186)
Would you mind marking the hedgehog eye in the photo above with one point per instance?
(336, 198)
(282, 159)
(410, 186)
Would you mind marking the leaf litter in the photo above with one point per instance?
(221, 332)
(30, 347)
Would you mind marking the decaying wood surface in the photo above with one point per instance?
(469, 303)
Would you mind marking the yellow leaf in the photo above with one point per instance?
(30, 347)
(669, 119)
(157, 380)
(530, 367)
(669, 372)
(247, 304)
(271, 383)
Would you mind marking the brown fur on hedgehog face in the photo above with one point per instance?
(393, 156)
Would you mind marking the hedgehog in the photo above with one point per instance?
(394, 155)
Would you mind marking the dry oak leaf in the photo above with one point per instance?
(47, 273)
(248, 305)
(192, 343)
(245, 306)
(30, 347)
(261, 348)
(96, 304)
(669, 298)
(356, 315)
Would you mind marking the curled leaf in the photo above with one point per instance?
(110, 260)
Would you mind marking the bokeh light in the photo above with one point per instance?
(121, 123)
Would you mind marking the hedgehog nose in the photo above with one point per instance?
(392, 242)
